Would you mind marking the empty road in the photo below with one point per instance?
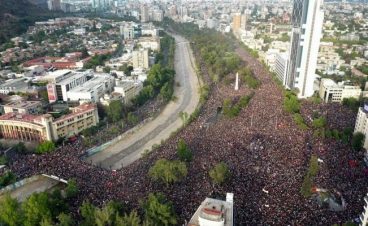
(131, 147)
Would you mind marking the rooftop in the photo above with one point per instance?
(23, 104)
(21, 117)
(92, 83)
(76, 111)
(214, 212)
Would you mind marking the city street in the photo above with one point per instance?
(131, 147)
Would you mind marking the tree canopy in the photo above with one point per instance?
(168, 171)
(220, 173)
(183, 151)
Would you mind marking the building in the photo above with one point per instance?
(243, 22)
(140, 59)
(23, 107)
(128, 89)
(63, 81)
(152, 43)
(214, 212)
(236, 22)
(364, 216)
(281, 65)
(44, 127)
(54, 5)
(331, 91)
(361, 124)
(93, 89)
(307, 21)
(17, 85)
(144, 14)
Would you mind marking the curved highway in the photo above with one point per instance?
(131, 147)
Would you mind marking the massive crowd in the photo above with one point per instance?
(266, 152)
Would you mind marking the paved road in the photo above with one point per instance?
(130, 148)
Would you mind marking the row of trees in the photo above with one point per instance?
(172, 171)
(44, 209)
(214, 49)
(232, 110)
(160, 81)
(250, 80)
(39, 209)
(306, 189)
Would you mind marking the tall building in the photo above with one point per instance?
(144, 14)
(236, 22)
(361, 124)
(54, 5)
(243, 22)
(307, 21)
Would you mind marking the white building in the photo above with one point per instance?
(281, 65)
(330, 91)
(64, 81)
(152, 43)
(128, 89)
(93, 89)
(140, 59)
(214, 212)
(361, 123)
(306, 33)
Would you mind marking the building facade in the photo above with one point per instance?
(361, 123)
(307, 21)
(280, 67)
(44, 127)
(93, 89)
(330, 91)
(23, 107)
(140, 59)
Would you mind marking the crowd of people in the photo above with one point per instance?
(267, 154)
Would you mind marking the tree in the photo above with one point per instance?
(45, 147)
(357, 141)
(36, 208)
(291, 103)
(319, 123)
(306, 189)
(72, 189)
(183, 151)
(7, 178)
(87, 211)
(351, 103)
(105, 216)
(132, 119)
(20, 147)
(131, 219)
(10, 211)
(65, 220)
(220, 173)
(115, 111)
(168, 171)
(158, 211)
(313, 166)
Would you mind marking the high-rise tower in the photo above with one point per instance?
(307, 21)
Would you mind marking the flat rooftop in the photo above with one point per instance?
(22, 104)
(91, 84)
(72, 77)
(214, 210)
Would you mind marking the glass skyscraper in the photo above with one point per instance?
(307, 22)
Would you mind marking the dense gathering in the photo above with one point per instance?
(266, 153)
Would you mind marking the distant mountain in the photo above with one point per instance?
(17, 15)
